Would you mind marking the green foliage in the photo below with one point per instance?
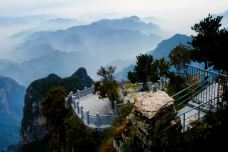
(142, 70)
(132, 77)
(38, 146)
(205, 43)
(179, 57)
(106, 73)
(79, 137)
(108, 87)
(119, 127)
(148, 69)
(159, 68)
(38, 89)
(53, 107)
(125, 110)
(219, 59)
(177, 83)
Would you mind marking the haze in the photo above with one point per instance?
(174, 15)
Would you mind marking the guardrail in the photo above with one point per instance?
(97, 121)
(202, 96)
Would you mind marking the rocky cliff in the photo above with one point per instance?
(149, 125)
(11, 104)
(31, 130)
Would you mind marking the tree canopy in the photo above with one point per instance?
(205, 43)
(179, 57)
(108, 87)
(142, 69)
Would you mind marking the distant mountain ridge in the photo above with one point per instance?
(91, 46)
(162, 50)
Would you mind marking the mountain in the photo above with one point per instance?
(11, 104)
(120, 64)
(61, 63)
(82, 76)
(163, 48)
(5, 21)
(102, 39)
(30, 128)
(89, 46)
(122, 75)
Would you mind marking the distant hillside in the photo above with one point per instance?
(163, 48)
(91, 46)
(11, 105)
(122, 75)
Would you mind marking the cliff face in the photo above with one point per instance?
(11, 104)
(31, 130)
(151, 123)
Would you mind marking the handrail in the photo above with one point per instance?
(197, 106)
(198, 76)
(198, 92)
(193, 94)
(185, 89)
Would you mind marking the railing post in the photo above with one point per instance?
(74, 104)
(77, 106)
(81, 112)
(198, 113)
(85, 89)
(183, 122)
(78, 92)
(87, 117)
(206, 93)
(98, 119)
(218, 93)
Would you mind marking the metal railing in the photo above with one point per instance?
(202, 96)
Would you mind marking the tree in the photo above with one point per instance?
(132, 77)
(205, 42)
(53, 109)
(108, 86)
(79, 137)
(143, 68)
(179, 57)
(219, 58)
(106, 73)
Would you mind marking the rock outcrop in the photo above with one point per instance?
(151, 120)
(11, 104)
(31, 128)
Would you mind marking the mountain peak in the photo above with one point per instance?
(133, 18)
(82, 76)
(163, 48)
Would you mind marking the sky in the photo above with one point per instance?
(174, 15)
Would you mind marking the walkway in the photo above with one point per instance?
(94, 105)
